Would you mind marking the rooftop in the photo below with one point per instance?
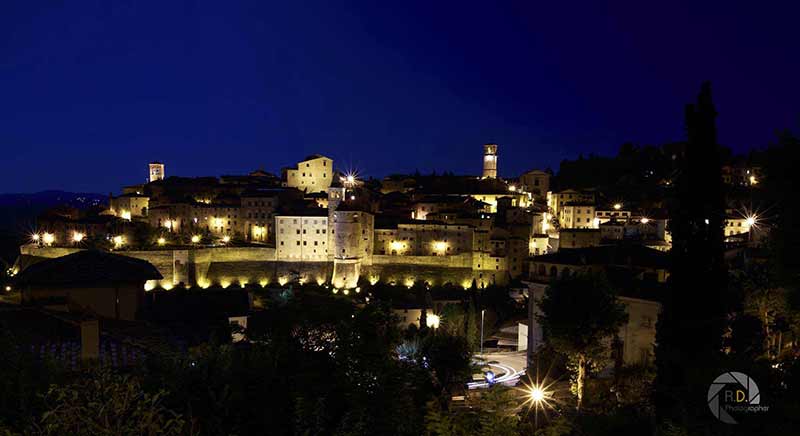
(88, 266)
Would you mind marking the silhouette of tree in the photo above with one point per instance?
(690, 328)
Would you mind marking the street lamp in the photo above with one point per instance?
(536, 394)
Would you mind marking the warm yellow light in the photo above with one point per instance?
(77, 236)
(440, 246)
(751, 221)
(350, 179)
(35, 237)
(195, 239)
(645, 220)
(218, 222)
(118, 240)
(396, 245)
(753, 180)
(358, 289)
(226, 239)
(169, 224)
(512, 188)
(48, 238)
(8, 288)
(537, 394)
(125, 214)
(345, 291)
(335, 291)
(224, 283)
(617, 206)
(432, 321)
(161, 241)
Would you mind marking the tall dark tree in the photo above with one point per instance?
(692, 321)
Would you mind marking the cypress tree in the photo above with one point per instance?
(690, 328)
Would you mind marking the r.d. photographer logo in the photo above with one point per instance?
(733, 394)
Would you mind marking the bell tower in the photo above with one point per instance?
(156, 171)
(490, 161)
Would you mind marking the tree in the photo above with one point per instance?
(763, 299)
(105, 403)
(448, 357)
(473, 333)
(694, 312)
(579, 314)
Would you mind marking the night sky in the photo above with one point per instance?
(90, 93)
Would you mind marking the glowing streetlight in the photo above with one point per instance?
(77, 236)
(645, 220)
(35, 237)
(195, 239)
(536, 394)
(617, 206)
(226, 239)
(118, 240)
(48, 238)
(751, 220)
(440, 246)
(161, 241)
(432, 321)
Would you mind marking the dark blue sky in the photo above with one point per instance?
(90, 92)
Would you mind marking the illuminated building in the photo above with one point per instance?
(490, 161)
(313, 174)
(156, 171)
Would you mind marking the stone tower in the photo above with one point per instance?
(156, 171)
(350, 243)
(490, 161)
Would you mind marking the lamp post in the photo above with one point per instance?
(482, 312)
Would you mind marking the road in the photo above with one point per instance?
(508, 367)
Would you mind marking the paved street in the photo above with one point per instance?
(507, 366)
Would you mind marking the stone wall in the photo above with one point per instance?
(234, 266)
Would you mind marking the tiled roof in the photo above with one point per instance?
(89, 266)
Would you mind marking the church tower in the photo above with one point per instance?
(490, 161)
(156, 171)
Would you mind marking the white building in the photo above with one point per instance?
(301, 238)
(577, 216)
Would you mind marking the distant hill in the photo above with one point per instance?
(18, 213)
